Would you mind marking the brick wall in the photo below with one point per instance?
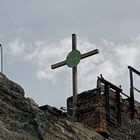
(91, 109)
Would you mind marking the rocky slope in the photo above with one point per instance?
(22, 119)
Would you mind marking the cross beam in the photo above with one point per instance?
(74, 69)
(85, 55)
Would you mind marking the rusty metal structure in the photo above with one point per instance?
(1, 49)
(112, 100)
(105, 106)
(132, 88)
(99, 107)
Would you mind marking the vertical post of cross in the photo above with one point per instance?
(74, 77)
(72, 60)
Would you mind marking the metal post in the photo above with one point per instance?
(132, 106)
(118, 97)
(74, 69)
(1, 58)
(107, 101)
(74, 77)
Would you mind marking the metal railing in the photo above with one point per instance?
(1, 48)
(132, 88)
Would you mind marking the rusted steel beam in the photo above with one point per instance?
(134, 70)
(107, 88)
(110, 84)
(57, 65)
(118, 107)
(1, 48)
(132, 104)
(136, 89)
(132, 88)
(107, 101)
(96, 51)
(124, 94)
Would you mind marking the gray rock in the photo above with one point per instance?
(22, 119)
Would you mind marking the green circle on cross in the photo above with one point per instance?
(73, 58)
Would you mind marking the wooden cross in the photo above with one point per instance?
(72, 61)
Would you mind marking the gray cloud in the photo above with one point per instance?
(47, 19)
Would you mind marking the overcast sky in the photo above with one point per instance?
(37, 33)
